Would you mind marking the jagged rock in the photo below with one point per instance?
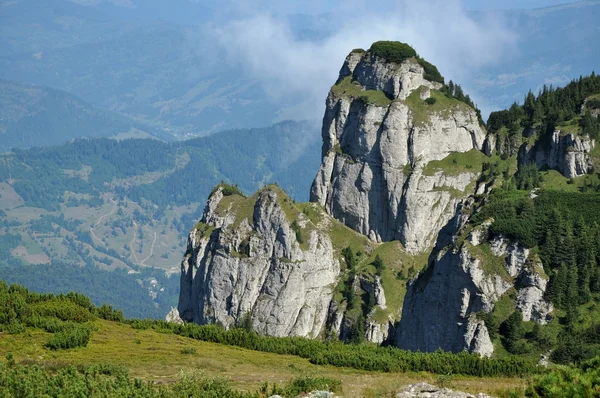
(480, 233)
(516, 255)
(375, 288)
(440, 304)
(567, 153)
(424, 390)
(173, 316)
(256, 266)
(530, 277)
(372, 174)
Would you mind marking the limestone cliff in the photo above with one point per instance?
(442, 306)
(245, 257)
(567, 153)
(379, 135)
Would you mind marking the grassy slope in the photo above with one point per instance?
(150, 355)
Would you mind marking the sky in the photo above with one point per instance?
(266, 46)
(511, 4)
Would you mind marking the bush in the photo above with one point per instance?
(431, 71)
(430, 101)
(188, 351)
(72, 337)
(392, 51)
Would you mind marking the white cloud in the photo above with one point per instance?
(262, 41)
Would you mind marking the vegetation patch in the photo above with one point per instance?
(457, 163)
(353, 89)
(422, 111)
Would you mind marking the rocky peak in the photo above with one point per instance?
(246, 258)
(373, 71)
(380, 136)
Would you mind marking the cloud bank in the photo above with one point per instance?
(292, 63)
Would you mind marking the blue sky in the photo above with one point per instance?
(511, 4)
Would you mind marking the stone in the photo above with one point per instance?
(425, 390)
(258, 268)
(372, 176)
(173, 316)
(567, 153)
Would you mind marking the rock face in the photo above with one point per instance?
(256, 266)
(173, 316)
(440, 306)
(373, 175)
(567, 153)
(531, 281)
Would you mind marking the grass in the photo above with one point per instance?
(457, 163)
(422, 112)
(491, 265)
(158, 357)
(348, 88)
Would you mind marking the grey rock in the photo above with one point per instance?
(173, 316)
(372, 176)
(257, 268)
(531, 281)
(567, 153)
(440, 306)
(424, 390)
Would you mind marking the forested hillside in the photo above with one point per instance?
(128, 205)
(34, 116)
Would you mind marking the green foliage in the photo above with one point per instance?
(568, 381)
(228, 190)
(120, 289)
(528, 177)
(297, 231)
(512, 331)
(430, 101)
(392, 51)
(188, 351)
(379, 265)
(452, 90)
(565, 229)
(245, 323)
(363, 356)
(72, 337)
(551, 108)
(431, 71)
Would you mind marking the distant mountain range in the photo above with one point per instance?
(39, 116)
(150, 62)
(128, 205)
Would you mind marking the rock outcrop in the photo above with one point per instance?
(378, 137)
(238, 266)
(567, 153)
(424, 390)
(173, 316)
(441, 305)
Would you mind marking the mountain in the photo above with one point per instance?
(153, 63)
(427, 228)
(94, 205)
(41, 116)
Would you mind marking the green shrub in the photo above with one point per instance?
(430, 101)
(76, 335)
(298, 231)
(188, 351)
(392, 51)
(431, 71)
(110, 314)
(228, 190)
